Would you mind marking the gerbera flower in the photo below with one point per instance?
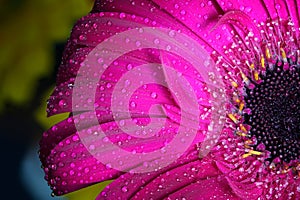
(242, 91)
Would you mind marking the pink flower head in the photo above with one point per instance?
(179, 100)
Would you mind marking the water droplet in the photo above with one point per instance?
(141, 30)
(71, 172)
(108, 85)
(154, 95)
(75, 138)
(138, 43)
(63, 154)
(172, 33)
(122, 15)
(100, 60)
(122, 122)
(129, 67)
(82, 37)
(127, 82)
(86, 170)
(95, 25)
(124, 189)
(156, 41)
(183, 12)
(133, 104)
(248, 9)
(62, 103)
(92, 147)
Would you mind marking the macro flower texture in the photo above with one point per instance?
(179, 100)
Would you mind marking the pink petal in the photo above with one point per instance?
(67, 163)
(160, 184)
(211, 188)
(245, 190)
(73, 160)
(199, 17)
(170, 14)
(285, 9)
(255, 9)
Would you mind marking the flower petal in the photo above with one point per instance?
(199, 17)
(75, 155)
(255, 9)
(212, 188)
(158, 185)
(245, 190)
(67, 163)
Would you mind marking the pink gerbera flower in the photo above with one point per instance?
(220, 78)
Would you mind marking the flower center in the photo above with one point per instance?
(263, 74)
(275, 112)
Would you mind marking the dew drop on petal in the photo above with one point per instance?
(72, 165)
(129, 67)
(154, 95)
(122, 15)
(218, 36)
(122, 122)
(100, 60)
(124, 189)
(248, 9)
(63, 154)
(86, 170)
(92, 147)
(183, 12)
(95, 25)
(71, 172)
(62, 103)
(172, 33)
(82, 37)
(138, 43)
(132, 104)
(156, 41)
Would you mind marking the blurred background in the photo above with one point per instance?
(33, 34)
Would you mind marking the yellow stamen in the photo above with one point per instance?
(233, 118)
(246, 155)
(262, 61)
(258, 153)
(251, 152)
(237, 100)
(256, 77)
(283, 54)
(241, 107)
(268, 54)
(252, 66)
(241, 134)
(242, 127)
(244, 77)
(248, 142)
(234, 84)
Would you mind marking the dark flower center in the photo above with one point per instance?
(275, 112)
